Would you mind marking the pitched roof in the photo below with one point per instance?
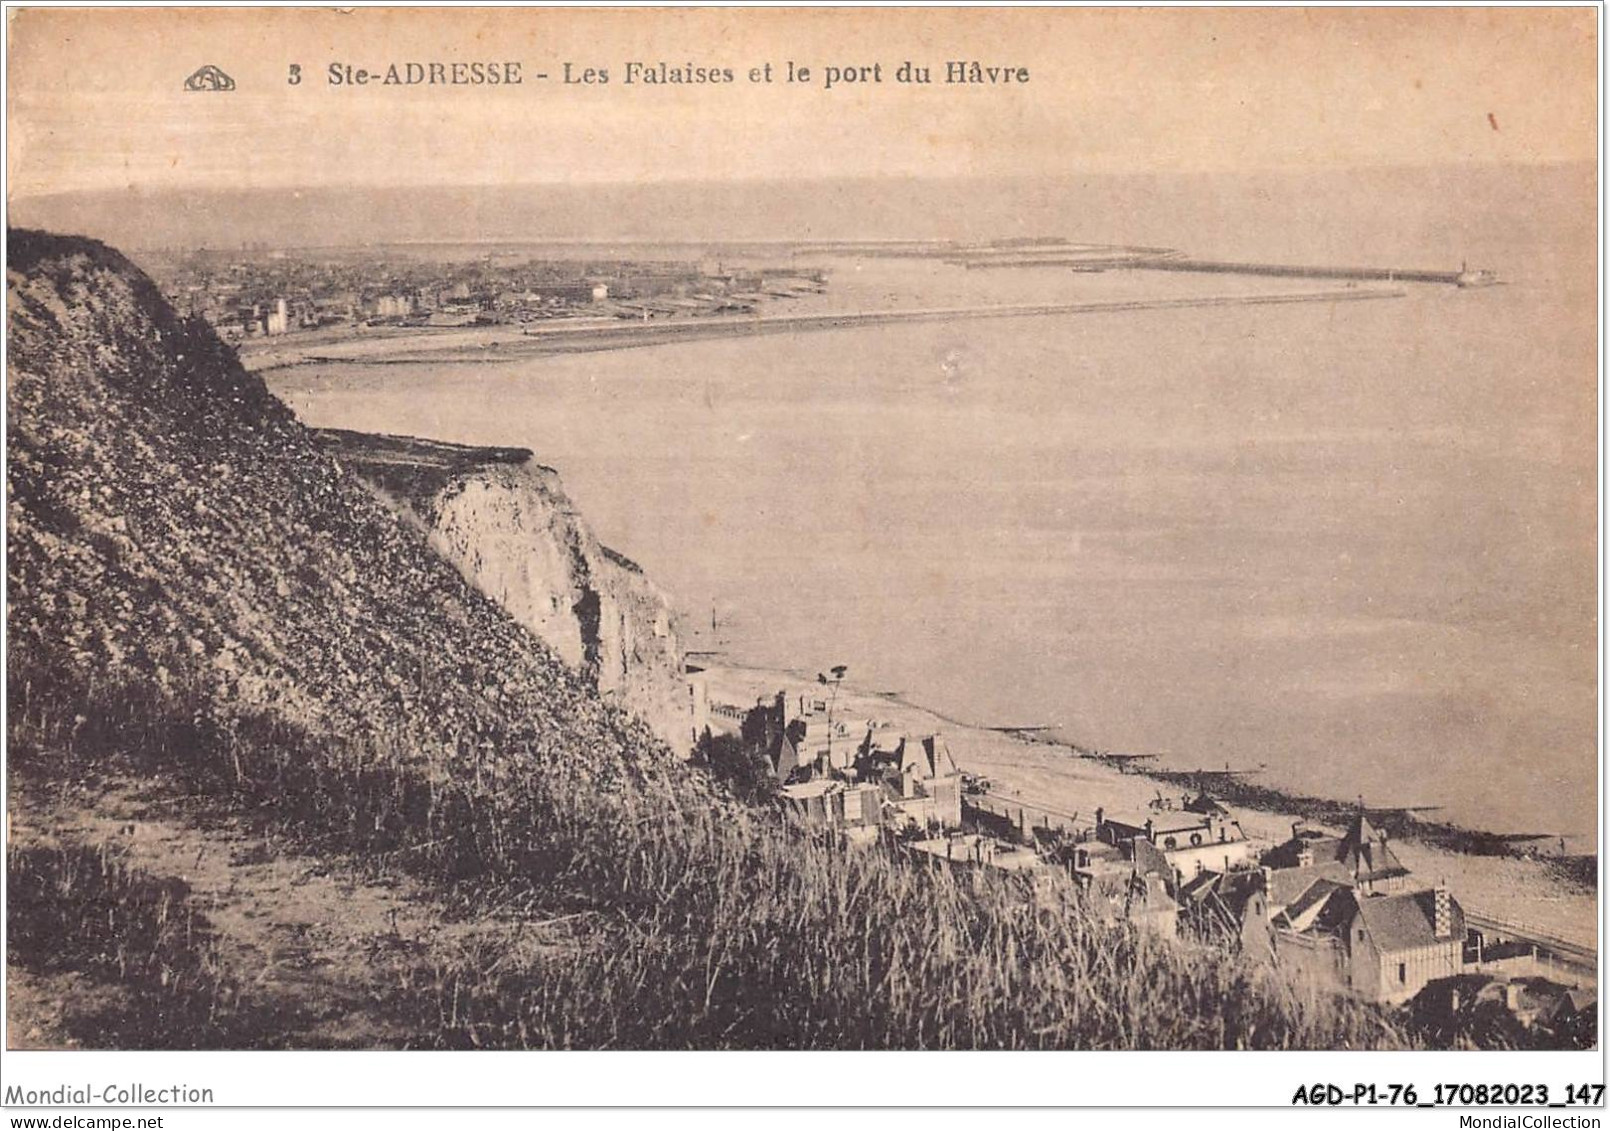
(1226, 894)
(1160, 821)
(1206, 805)
(1287, 884)
(1150, 861)
(1303, 912)
(1200, 886)
(1133, 892)
(939, 756)
(1581, 998)
(1361, 829)
(929, 758)
(787, 758)
(1364, 851)
(1150, 893)
(1129, 819)
(1402, 922)
(1238, 888)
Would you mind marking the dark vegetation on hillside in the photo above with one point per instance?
(201, 597)
(171, 522)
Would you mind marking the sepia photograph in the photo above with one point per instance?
(702, 529)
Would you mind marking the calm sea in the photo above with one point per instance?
(1353, 542)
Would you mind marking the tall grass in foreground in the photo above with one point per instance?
(82, 910)
(777, 941)
(702, 924)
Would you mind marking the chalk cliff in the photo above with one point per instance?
(175, 533)
(506, 523)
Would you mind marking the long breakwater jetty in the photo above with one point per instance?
(832, 321)
(1097, 258)
(1460, 278)
(502, 344)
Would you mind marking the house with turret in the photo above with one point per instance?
(1360, 858)
(854, 773)
(1385, 948)
(1345, 909)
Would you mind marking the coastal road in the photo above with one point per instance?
(1551, 948)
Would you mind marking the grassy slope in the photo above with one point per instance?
(202, 599)
(172, 523)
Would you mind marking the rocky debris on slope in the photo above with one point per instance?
(507, 524)
(172, 524)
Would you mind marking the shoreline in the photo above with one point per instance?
(1062, 780)
(496, 343)
(1482, 867)
(1399, 823)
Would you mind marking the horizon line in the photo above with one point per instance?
(13, 198)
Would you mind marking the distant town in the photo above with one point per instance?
(288, 306)
(257, 292)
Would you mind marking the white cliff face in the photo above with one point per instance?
(507, 525)
(514, 534)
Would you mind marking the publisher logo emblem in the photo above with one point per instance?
(209, 78)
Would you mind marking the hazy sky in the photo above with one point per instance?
(97, 98)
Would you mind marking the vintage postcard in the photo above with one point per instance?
(804, 529)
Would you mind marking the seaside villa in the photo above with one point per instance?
(854, 775)
(1361, 858)
(1201, 836)
(1345, 910)
(1385, 948)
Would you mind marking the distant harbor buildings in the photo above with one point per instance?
(279, 319)
(261, 292)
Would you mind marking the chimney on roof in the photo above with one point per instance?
(1442, 911)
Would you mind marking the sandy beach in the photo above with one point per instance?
(1024, 770)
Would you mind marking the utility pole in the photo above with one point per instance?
(838, 671)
